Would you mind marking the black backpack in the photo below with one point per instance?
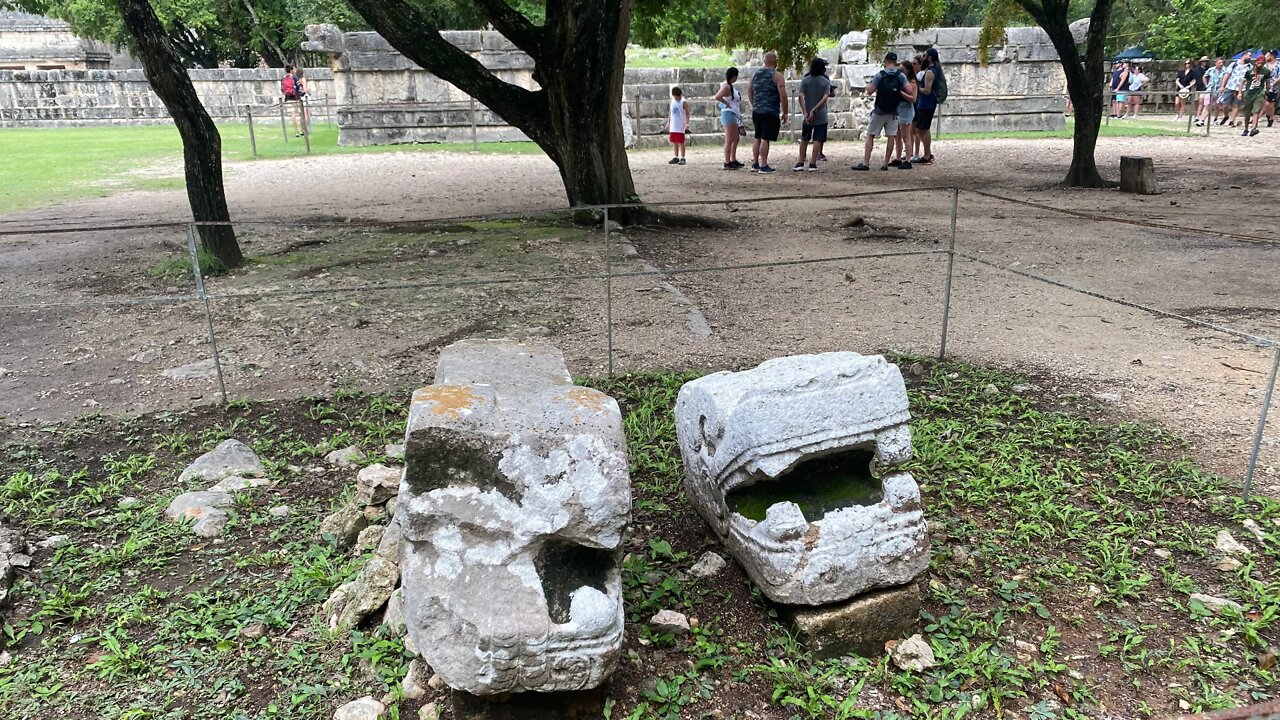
(889, 93)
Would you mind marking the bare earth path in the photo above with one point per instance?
(61, 361)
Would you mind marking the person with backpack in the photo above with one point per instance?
(931, 94)
(888, 87)
(906, 117)
(291, 86)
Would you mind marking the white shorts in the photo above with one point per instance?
(882, 125)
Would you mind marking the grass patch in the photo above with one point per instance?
(1117, 128)
(1065, 551)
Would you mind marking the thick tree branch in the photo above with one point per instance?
(514, 26)
(415, 35)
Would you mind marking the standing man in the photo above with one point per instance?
(930, 80)
(1233, 94)
(887, 87)
(768, 96)
(1213, 78)
(1269, 108)
(815, 90)
(1256, 81)
(291, 88)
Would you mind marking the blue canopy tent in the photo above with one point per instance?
(1137, 52)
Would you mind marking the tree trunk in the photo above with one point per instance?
(576, 114)
(1083, 84)
(201, 143)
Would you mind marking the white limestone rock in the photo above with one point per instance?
(513, 507)
(789, 443)
(377, 483)
(1226, 544)
(1215, 604)
(235, 483)
(709, 565)
(366, 708)
(913, 654)
(205, 508)
(347, 457)
(670, 621)
(231, 458)
(14, 554)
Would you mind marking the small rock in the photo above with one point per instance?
(395, 452)
(670, 621)
(280, 511)
(913, 654)
(415, 680)
(205, 508)
(6, 658)
(1023, 388)
(199, 370)
(235, 483)
(345, 523)
(347, 457)
(1216, 604)
(991, 389)
(5, 372)
(1161, 553)
(1026, 647)
(53, 542)
(366, 708)
(254, 631)
(538, 331)
(145, 357)
(393, 617)
(1255, 529)
(1229, 565)
(392, 504)
(436, 683)
(353, 602)
(369, 537)
(429, 712)
(212, 524)
(1107, 397)
(230, 458)
(356, 323)
(128, 502)
(1228, 545)
(377, 483)
(614, 226)
(960, 555)
(709, 565)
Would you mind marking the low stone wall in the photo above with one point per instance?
(61, 98)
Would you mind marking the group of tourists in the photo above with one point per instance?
(1235, 93)
(906, 95)
(294, 89)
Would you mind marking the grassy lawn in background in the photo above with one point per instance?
(48, 166)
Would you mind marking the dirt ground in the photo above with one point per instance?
(60, 361)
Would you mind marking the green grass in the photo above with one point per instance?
(709, 57)
(1065, 549)
(1117, 128)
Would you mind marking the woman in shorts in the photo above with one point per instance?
(730, 103)
(906, 117)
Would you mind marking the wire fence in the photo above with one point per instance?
(596, 277)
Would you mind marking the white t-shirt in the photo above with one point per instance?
(677, 116)
(733, 100)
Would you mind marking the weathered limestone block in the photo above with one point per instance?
(231, 458)
(14, 554)
(1138, 175)
(513, 505)
(791, 463)
(860, 626)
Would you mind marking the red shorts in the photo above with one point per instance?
(677, 138)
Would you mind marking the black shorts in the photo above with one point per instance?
(767, 125)
(814, 133)
(1271, 97)
(924, 118)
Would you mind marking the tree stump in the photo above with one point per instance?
(1137, 175)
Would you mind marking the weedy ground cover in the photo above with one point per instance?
(1066, 548)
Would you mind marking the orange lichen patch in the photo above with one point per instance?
(587, 399)
(448, 400)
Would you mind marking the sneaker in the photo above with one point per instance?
(884, 167)
(918, 160)
(673, 161)
(766, 170)
(822, 158)
(755, 167)
(737, 164)
(861, 166)
(798, 167)
(813, 168)
(1244, 134)
(905, 166)
(895, 162)
(730, 166)
(681, 162)
(1254, 132)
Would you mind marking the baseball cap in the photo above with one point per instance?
(891, 57)
(820, 61)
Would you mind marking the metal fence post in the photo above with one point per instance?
(306, 124)
(475, 141)
(951, 264)
(1262, 426)
(608, 288)
(253, 141)
(208, 315)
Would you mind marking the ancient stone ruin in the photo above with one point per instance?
(513, 506)
(792, 464)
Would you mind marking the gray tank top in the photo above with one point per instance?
(767, 101)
